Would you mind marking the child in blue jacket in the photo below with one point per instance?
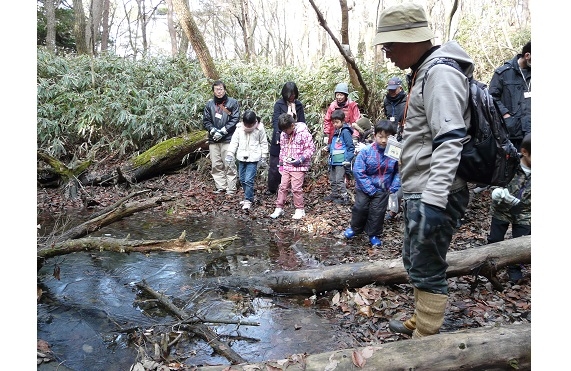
(341, 152)
(376, 176)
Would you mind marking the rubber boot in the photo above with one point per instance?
(429, 313)
(407, 327)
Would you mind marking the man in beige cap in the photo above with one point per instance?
(436, 120)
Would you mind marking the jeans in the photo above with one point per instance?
(247, 171)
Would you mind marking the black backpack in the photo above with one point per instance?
(488, 157)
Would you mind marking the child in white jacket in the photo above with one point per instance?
(249, 145)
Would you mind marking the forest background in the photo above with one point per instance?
(22, 90)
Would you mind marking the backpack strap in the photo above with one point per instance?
(442, 60)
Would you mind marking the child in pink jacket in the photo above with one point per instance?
(296, 150)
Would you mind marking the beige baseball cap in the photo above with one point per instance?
(403, 23)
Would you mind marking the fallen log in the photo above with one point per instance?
(97, 244)
(483, 260)
(488, 348)
(198, 328)
(119, 211)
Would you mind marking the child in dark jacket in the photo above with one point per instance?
(376, 176)
(512, 205)
(341, 152)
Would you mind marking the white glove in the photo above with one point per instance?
(503, 195)
(359, 147)
(229, 159)
(223, 131)
(326, 139)
(263, 163)
(213, 131)
(217, 136)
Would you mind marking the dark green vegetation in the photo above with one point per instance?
(120, 106)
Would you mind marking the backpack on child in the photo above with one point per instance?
(488, 157)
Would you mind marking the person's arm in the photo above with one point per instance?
(299, 111)
(496, 90)
(234, 116)
(350, 146)
(263, 140)
(362, 180)
(446, 98)
(207, 121)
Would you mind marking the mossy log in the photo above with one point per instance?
(169, 155)
(59, 173)
(164, 157)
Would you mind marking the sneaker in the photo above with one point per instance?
(390, 215)
(230, 193)
(375, 241)
(349, 233)
(267, 192)
(299, 213)
(330, 197)
(219, 190)
(277, 212)
(246, 204)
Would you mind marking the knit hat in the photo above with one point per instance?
(362, 125)
(403, 23)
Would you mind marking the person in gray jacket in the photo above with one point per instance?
(221, 115)
(511, 88)
(435, 128)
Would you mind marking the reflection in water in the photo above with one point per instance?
(81, 314)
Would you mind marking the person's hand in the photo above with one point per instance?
(281, 169)
(297, 162)
(326, 139)
(229, 159)
(503, 195)
(431, 218)
(213, 131)
(217, 136)
(347, 165)
(263, 163)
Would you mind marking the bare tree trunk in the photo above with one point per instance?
(50, 6)
(349, 59)
(105, 27)
(141, 14)
(345, 42)
(79, 28)
(172, 28)
(247, 30)
(196, 39)
(448, 24)
(96, 14)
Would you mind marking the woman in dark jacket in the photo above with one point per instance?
(288, 103)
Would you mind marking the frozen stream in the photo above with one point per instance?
(80, 314)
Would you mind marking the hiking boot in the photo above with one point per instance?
(330, 197)
(514, 273)
(246, 204)
(399, 327)
(277, 212)
(375, 241)
(349, 233)
(299, 213)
